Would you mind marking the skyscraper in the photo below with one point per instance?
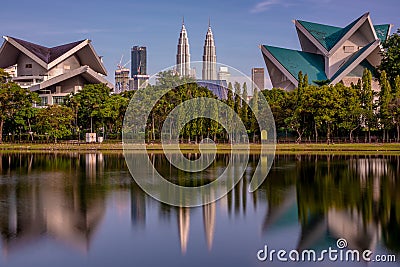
(138, 61)
(257, 77)
(139, 77)
(183, 54)
(223, 74)
(209, 57)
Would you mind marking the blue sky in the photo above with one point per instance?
(238, 26)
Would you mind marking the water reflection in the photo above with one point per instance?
(66, 197)
(38, 199)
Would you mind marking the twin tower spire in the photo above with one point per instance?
(209, 71)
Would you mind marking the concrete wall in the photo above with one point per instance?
(65, 66)
(36, 69)
(362, 37)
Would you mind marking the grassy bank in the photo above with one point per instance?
(393, 148)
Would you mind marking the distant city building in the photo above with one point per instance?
(183, 53)
(209, 57)
(138, 61)
(121, 80)
(52, 72)
(138, 81)
(223, 74)
(258, 78)
(329, 53)
(139, 77)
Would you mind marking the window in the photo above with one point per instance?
(349, 49)
(59, 100)
(28, 66)
(44, 101)
(67, 67)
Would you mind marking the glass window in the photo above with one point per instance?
(59, 100)
(44, 101)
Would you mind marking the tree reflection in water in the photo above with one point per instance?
(64, 196)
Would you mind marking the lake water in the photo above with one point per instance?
(71, 209)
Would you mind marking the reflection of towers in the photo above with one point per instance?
(209, 57)
(138, 206)
(93, 162)
(183, 54)
(184, 225)
(209, 223)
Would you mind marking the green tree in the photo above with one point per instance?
(350, 110)
(90, 100)
(237, 105)
(4, 76)
(391, 57)
(385, 96)
(395, 106)
(254, 127)
(55, 121)
(245, 108)
(300, 86)
(367, 101)
(13, 99)
(112, 111)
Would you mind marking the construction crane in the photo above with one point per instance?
(120, 66)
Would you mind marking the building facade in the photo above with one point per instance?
(139, 77)
(138, 61)
(52, 72)
(329, 53)
(209, 57)
(258, 78)
(223, 74)
(121, 80)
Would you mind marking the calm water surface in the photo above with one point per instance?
(85, 210)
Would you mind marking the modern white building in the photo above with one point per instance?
(329, 53)
(52, 72)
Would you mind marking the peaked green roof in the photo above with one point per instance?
(351, 60)
(359, 69)
(295, 61)
(327, 36)
(382, 31)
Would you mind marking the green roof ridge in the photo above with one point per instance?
(328, 36)
(351, 60)
(382, 31)
(294, 61)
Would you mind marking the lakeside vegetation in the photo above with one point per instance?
(342, 149)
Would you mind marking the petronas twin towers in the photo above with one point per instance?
(209, 71)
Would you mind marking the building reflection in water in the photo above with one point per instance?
(63, 196)
(57, 201)
(183, 225)
(352, 197)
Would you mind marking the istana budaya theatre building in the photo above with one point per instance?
(328, 53)
(52, 72)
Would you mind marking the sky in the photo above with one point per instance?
(239, 27)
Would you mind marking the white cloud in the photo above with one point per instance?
(263, 6)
